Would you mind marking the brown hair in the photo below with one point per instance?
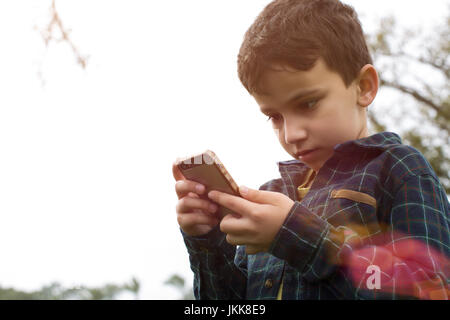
(296, 33)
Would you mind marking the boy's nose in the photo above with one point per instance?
(293, 133)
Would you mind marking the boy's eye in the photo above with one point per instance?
(308, 105)
(273, 118)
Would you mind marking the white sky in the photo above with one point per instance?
(86, 190)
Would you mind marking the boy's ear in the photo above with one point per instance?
(367, 83)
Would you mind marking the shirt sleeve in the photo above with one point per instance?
(218, 272)
(409, 257)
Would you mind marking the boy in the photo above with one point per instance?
(354, 216)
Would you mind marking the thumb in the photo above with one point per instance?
(258, 196)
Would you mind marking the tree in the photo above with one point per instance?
(55, 291)
(403, 58)
(179, 283)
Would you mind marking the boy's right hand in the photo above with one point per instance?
(194, 215)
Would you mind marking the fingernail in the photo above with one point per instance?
(200, 188)
(212, 208)
(243, 190)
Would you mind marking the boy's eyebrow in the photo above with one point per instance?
(297, 95)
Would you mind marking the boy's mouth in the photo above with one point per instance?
(306, 155)
(302, 153)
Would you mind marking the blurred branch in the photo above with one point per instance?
(439, 65)
(414, 93)
(56, 24)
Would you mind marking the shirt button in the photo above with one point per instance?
(268, 284)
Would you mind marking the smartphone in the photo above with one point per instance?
(207, 169)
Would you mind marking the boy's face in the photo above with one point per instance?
(312, 110)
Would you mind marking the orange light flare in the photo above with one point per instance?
(403, 265)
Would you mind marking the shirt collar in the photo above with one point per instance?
(382, 140)
(296, 171)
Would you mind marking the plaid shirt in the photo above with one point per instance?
(374, 202)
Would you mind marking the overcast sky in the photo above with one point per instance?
(86, 190)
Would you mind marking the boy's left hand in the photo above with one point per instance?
(262, 214)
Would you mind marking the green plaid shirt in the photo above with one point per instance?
(374, 202)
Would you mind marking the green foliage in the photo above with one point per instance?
(398, 55)
(179, 283)
(55, 291)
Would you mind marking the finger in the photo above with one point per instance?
(176, 172)
(188, 205)
(234, 203)
(188, 220)
(193, 195)
(236, 226)
(235, 240)
(244, 240)
(183, 187)
(238, 230)
(259, 196)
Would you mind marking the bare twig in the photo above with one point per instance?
(411, 92)
(56, 23)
